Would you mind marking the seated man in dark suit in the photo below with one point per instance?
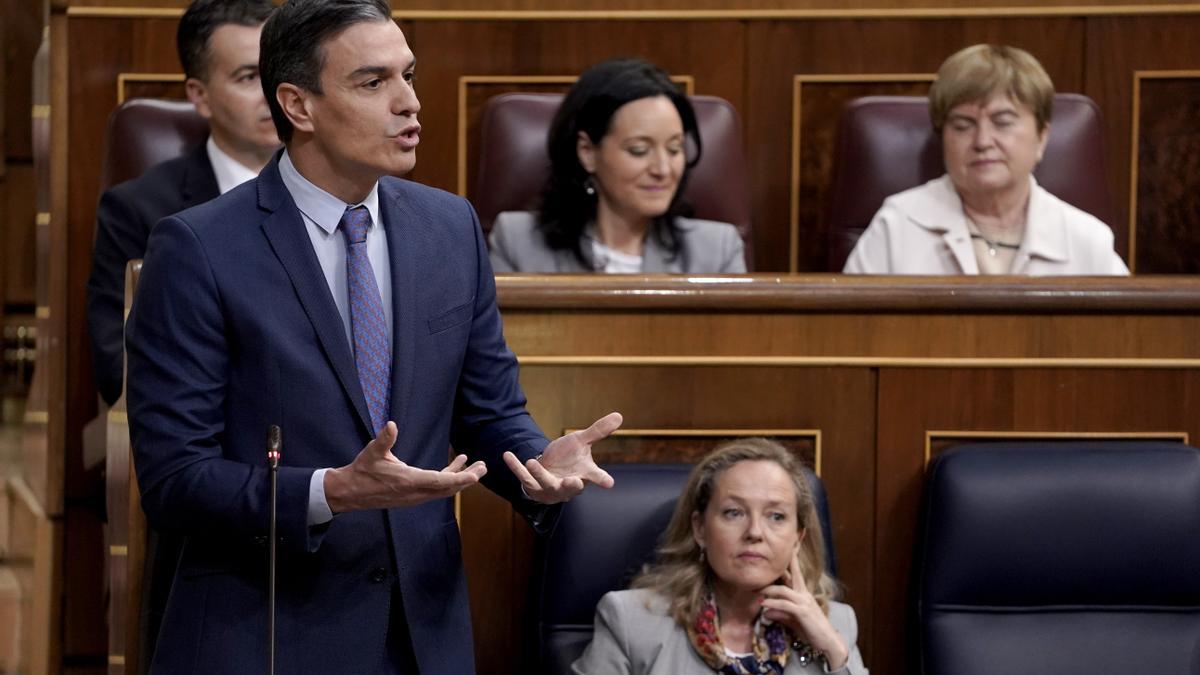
(218, 47)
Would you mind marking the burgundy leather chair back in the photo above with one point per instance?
(886, 144)
(143, 132)
(513, 161)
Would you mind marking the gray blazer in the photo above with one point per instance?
(709, 247)
(635, 636)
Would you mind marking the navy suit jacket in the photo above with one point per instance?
(124, 217)
(233, 329)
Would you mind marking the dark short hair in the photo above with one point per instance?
(292, 49)
(589, 107)
(203, 18)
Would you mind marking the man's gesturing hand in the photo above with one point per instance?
(566, 465)
(377, 480)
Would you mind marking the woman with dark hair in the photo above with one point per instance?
(621, 147)
(739, 585)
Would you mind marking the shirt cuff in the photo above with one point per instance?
(319, 512)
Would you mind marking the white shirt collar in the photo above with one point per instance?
(321, 207)
(230, 172)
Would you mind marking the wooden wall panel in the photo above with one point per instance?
(18, 232)
(652, 446)
(20, 32)
(1166, 191)
(692, 6)
(85, 586)
(142, 85)
(22, 29)
(1116, 49)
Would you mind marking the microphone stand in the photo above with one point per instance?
(274, 441)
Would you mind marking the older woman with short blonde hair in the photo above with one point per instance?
(992, 107)
(739, 585)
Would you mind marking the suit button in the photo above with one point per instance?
(378, 575)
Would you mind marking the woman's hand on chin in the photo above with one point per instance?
(794, 606)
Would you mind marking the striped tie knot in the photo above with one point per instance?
(354, 224)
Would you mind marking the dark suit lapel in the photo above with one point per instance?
(288, 236)
(404, 226)
(199, 181)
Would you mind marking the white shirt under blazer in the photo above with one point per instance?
(923, 230)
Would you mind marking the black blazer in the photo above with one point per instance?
(124, 218)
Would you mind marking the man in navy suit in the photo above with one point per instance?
(358, 312)
(217, 42)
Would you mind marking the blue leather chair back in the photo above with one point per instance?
(602, 539)
(1065, 558)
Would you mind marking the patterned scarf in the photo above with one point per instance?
(772, 644)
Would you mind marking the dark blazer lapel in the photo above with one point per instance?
(404, 226)
(199, 180)
(285, 230)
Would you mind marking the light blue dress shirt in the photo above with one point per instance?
(322, 212)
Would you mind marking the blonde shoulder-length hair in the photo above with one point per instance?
(679, 574)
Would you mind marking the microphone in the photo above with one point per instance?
(274, 441)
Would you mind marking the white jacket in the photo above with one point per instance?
(924, 231)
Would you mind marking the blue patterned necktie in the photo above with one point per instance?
(367, 320)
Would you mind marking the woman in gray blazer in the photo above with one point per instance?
(621, 147)
(739, 585)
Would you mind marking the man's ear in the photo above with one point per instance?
(586, 152)
(295, 104)
(197, 93)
